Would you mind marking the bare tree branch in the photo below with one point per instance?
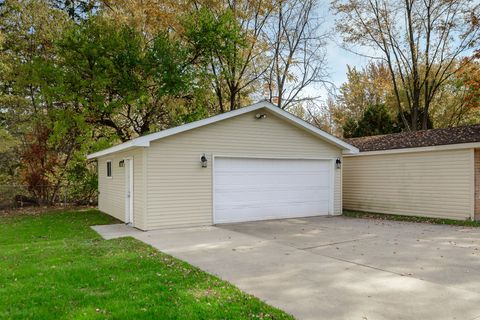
(297, 52)
(421, 41)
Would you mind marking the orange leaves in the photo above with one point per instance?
(39, 162)
(469, 76)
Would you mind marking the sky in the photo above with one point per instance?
(337, 57)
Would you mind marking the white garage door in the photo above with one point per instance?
(260, 189)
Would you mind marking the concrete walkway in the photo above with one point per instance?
(336, 268)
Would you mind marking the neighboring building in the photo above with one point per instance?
(254, 163)
(433, 173)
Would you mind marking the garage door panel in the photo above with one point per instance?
(272, 178)
(257, 189)
(251, 194)
(265, 203)
(272, 211)
(274, 187)
(262, 165)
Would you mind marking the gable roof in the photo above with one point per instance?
(418, 139)
(144, 141)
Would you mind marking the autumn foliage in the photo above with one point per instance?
(469, 75)
(39, 164)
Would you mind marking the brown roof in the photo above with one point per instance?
(423, 138)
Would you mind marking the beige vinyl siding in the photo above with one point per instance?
(111, 197)
(477, 184)
(433, 183)
(338, 189)
(180, 191)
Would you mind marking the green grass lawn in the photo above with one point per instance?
(397, 217)
(53, 266)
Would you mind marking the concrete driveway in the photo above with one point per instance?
(336, 267)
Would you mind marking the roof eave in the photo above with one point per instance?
(119, 148)
(145, 140)
(443, 147)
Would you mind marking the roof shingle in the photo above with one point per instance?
(416, 139)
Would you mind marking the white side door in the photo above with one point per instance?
(128, 163)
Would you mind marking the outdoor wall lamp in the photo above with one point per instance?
(338, 162)
(121, 163)
(204, 161)
(259, 116)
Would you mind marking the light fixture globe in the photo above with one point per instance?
(338, 163)
(204, 161)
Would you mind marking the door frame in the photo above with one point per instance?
(331, 206)
(128, 165)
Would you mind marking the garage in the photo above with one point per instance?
(432, 173)
(254, 163)
(249, 189)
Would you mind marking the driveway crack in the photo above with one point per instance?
(335, 243)
(367, 266)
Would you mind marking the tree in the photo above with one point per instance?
(230, 40)
(458, 102)
(44, 158)
(147, 17)
(107, 75)
(248, 48)
(297, 51)
(350, 128)
(9, 161)
(374, 121)
(28, 30)
(418, 40)
(366, 87)
(68, 88)
(317, 115)
(225, 34)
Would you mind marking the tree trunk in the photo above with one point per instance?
(233, 99)
(416, 91)
(279, 92)
(426, 106)
(414, 114)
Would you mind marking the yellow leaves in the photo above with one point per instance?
(146, 16)
(6, 141)
(151, 16)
